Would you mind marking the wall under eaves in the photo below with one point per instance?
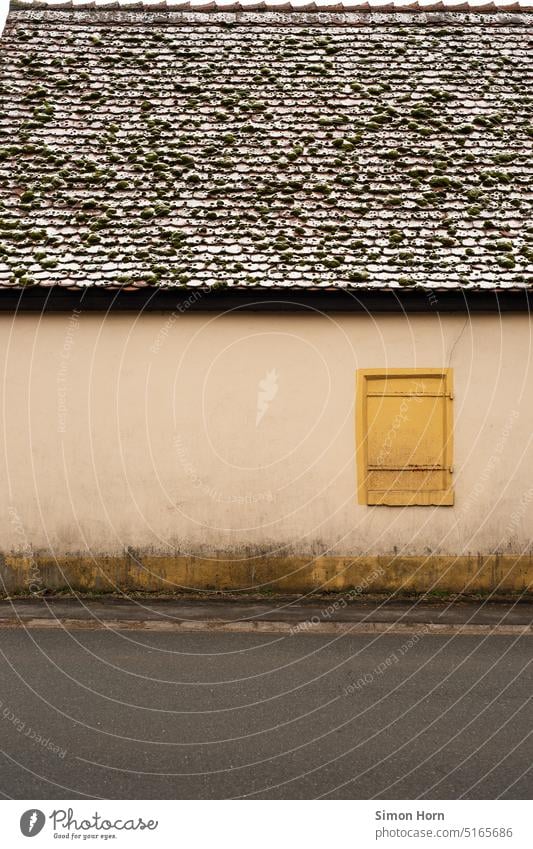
(197, 450)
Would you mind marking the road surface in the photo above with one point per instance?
(140, 714)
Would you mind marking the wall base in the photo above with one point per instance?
(371, 574)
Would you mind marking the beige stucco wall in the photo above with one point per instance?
(141, 431)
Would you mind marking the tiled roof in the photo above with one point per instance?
(265, 148)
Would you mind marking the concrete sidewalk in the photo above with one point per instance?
(333, 615)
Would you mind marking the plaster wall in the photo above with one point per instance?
(196, 433)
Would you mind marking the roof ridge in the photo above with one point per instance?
(483, 6)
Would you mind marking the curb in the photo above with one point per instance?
(267, 627)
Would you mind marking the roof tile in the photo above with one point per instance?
(266, 148)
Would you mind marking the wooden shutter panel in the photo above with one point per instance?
(404, 436)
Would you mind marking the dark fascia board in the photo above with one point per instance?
(150, 299)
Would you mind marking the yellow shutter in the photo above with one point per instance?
(404, 436)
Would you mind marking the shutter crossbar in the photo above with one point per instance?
(409, 468)
(409, 395)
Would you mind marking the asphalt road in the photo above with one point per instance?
(155, 715)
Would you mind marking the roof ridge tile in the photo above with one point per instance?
(313, 6)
